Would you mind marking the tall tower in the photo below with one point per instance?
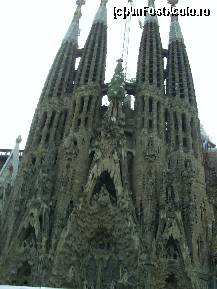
(183, 235)
(37, 176)
(149, 143)
(111, 197)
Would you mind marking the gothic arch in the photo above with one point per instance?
(105, 180)
(27, 236)
(176, 278)
(24, 272)
(172, 249)
(28, 233)
(171, 282)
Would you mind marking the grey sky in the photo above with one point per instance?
(31, 33)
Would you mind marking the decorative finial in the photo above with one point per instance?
(173, 2)
(104, 2)
(73, 31)
(101, 15)
(77, 14)
(151, 18)
(175, 29)
(18, 139)
(80, 2)
(151, 3)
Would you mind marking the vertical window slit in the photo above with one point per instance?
(89, 103)
(176, 125)
(81, 105)
(158, 117)
(183, 122)
(73, 107)
(150, 104)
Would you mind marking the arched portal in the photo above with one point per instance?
(172, 249)
(27, 237)
(171, 282)
(105, 180)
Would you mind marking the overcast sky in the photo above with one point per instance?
(31, 32)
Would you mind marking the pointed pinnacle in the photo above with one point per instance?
(18, 139)
(77, 14)
(151, 3)
(80, 2)
(104, 2)
(73, 31)
(148, 17)
(175, 30)
(101, 15)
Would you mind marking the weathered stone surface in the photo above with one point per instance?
(110, 197)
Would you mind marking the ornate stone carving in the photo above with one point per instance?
(151, 151)
(188, 173)
(112, 197)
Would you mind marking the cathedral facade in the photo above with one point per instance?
(110, 196)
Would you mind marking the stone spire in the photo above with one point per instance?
(148, 17)
(92, 65)
(184, 134)
(101, 15)
(150, 62)
(179, 77)
(175, 29)
(61, 77)
(8, 175)
(73, 31)
(12, 162)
